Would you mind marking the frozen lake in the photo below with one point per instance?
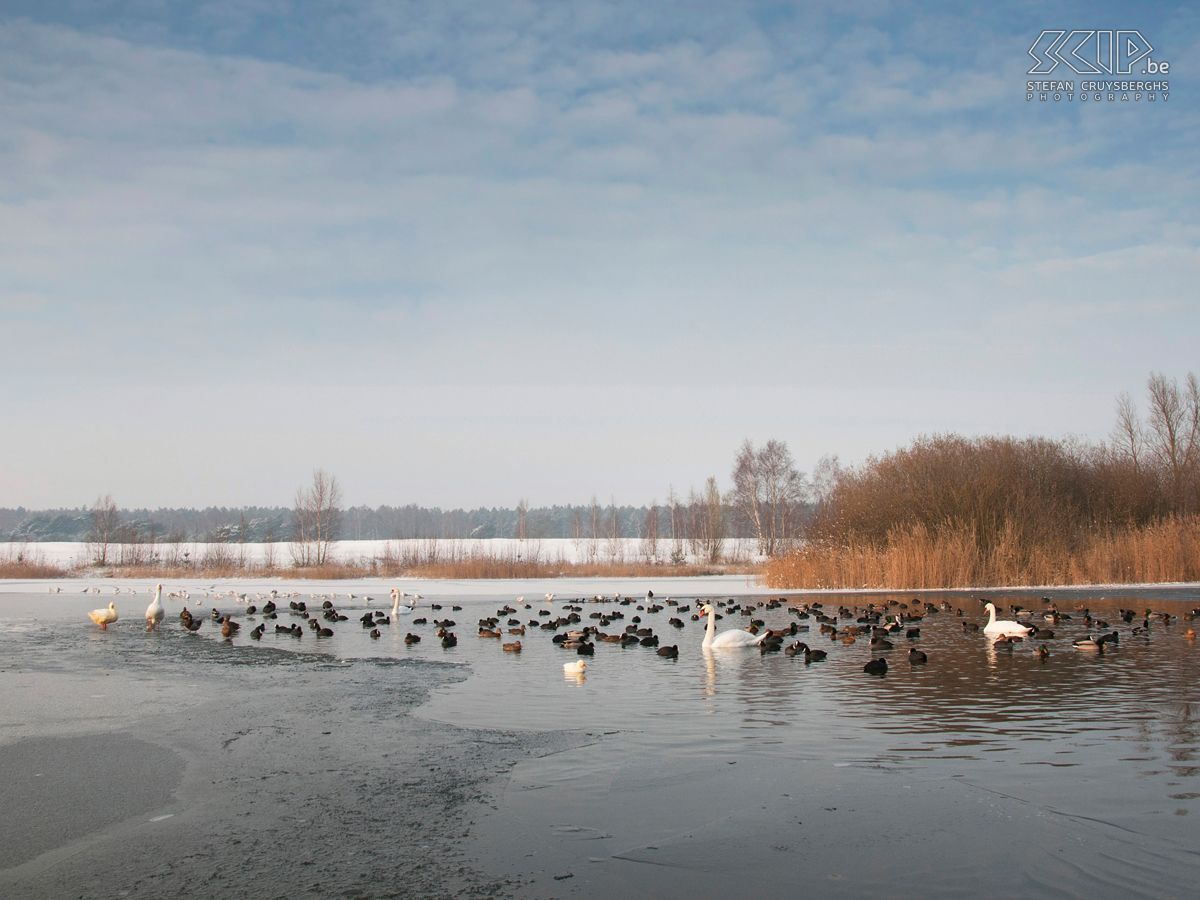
(980, 773)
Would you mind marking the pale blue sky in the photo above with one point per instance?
(463, 253)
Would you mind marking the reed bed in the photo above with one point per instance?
(443, 559)
(18, 561)
(914, 558)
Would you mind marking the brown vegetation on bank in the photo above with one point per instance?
(913, 558)
(18, 561)
(952, 512)
(31, 570)
(430, 559)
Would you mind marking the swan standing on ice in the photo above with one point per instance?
(1003, 628)
(155, 611)
(734, 638)
(104, 617)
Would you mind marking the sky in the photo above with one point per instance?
(460, 254)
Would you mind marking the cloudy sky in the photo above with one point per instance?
(464, 253)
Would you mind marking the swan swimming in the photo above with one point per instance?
(733, 638)
(1003, 628)
(408, 607)
(155, 611)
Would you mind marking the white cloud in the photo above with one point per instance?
(565, 196)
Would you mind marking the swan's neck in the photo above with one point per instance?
(711, 629)
(991, 614)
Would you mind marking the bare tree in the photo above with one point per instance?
(1173, 435)
(316, 520)
(650, 538)
(1128, 436)
(714, 513)
(523, 520)
(270, 550)
(825, 477)
(105, 522)
(616, 549)
(594, 537)
(678, 557)
(767, 492)
(576, 530)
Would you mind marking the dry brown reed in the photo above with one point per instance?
(19, 561)
(31, 570)
(913, 558)
(436, 559)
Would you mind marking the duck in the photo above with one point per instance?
(726, 639)
(104, 617)
(916, 657)
(257, 632)
(1086, 643)
(374, 634)
(411, 638)
(574, 668)
(1003, 628)
(155, 612)
(671, 652)
(227, 630)
(514, 647)
(876, 667)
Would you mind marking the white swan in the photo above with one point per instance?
(155, 611)
(408, 607)
(1003, 628)
(734, 638)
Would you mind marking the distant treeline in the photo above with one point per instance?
(254, 524)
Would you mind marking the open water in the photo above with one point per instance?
(981, 773)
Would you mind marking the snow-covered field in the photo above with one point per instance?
(77, 554)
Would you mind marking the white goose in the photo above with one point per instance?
(733, 638)
(104, 617)
(1004, 628)
(155, 611)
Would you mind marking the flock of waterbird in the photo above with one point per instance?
(877, 623)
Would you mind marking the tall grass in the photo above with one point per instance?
(432, 558)
(912, 557)
(19, 561)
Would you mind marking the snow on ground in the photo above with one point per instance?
(533, 589)
(78, 554)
